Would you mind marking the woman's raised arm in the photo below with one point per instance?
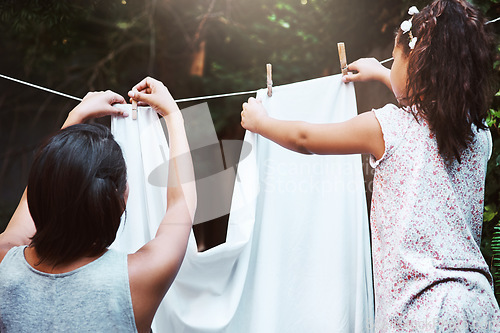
(153, 267)
(21, 227)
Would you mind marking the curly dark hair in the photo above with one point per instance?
(450, 72)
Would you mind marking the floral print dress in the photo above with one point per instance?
(426, 221)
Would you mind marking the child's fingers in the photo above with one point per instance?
(350, 77)
(353, 66)
(252, 101)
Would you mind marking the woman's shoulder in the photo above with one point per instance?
(6, 247)
(3, 251)
(11, 257)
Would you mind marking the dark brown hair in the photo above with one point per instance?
(76, 193)
(450, 72)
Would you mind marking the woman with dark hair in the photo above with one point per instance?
(57, 273)
(430, 156)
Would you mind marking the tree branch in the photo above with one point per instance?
(152, 37)
(197, 35)
(96, 69)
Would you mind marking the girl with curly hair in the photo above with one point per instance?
(430, 155)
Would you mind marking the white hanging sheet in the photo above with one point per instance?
(297, 253)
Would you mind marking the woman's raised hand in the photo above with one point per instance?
(154, 93)
(95, 105)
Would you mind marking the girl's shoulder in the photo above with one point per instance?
(394, 122)
(391, 111)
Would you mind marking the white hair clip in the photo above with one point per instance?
(413, 10)
(407, 25)
(412, 43)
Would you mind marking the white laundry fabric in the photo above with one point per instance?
(145, 150)
(297, 253)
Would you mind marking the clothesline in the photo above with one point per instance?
(216, 96)
(40, 87)
(190, 99)
(79, 99)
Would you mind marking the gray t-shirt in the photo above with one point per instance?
(92, 298)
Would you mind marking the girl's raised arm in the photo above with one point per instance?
(361, 134)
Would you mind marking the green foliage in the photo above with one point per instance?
(491, 229)
(495, 262)
(490, 242)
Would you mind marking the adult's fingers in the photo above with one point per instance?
(108, 110)
(88, 94)
(140, 96)
(117, 112)
(143, 84)
(148, 83)
(114, 98)
(139, 103)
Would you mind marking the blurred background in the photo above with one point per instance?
(197, 48)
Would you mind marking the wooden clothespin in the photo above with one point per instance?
(343, 58)
(269, 69)
(134, 109)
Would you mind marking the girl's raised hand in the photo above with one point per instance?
(367, 69)
(95, 105)
(253, 113)
(154, 93)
